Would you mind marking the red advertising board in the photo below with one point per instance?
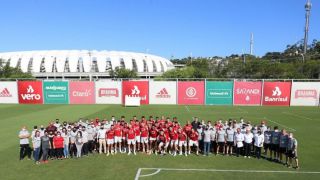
(136, 89)
(276, 93)
(247, 93)
(81, 92)
(191, 92)
(30, 92)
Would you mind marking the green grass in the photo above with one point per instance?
(304, 120)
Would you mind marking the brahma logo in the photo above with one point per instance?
(163, 94)
(191, 92)
(30, 95)
(276, 92)
(307, 93)
(5, 93)
(85, 93)
(108, 92)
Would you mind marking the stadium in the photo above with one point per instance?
(78, 63)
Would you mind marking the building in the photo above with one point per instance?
(84, 63)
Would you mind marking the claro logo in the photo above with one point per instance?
(30, 95)
(85, 93)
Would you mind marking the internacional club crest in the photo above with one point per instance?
(191, 92)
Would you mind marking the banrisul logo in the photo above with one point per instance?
(135, 92)
(30, 95)
(276, 96)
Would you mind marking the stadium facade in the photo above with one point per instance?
(84, 63)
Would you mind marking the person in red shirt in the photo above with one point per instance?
(124, 137)
(117, 137)
(153, 134)
(162, 139)
(144, 138)
(193, 141)
(187, 128)
(131, 138)
(110, 140)
(182, 136)
(58, 143)
(174, 141)
(136, 128)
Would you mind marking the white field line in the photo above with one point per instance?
(289, 128)
(299, 116)
(218, 170)
(187, 108)
(243, 111)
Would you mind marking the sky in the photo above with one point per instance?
(168, 28)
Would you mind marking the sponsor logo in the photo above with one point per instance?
(55, 88)
(30, 95)
(191, 92)
(247, 91)
(219, 93)
(163, 94)
(276, 93)
(108, 92)
(5, 93)
(306, 93)
(135, 92)
(85, 93)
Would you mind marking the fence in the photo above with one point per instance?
(237, 92)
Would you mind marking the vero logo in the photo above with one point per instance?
(30, 95)
(30, 92)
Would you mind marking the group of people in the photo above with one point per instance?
(158, 136)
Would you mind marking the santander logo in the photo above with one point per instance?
(30, 95)
(246, 91)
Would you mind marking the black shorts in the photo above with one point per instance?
(275, 147)
(266, 146)
(221, 143)
(282, 150)
(292, 154)
(230, 143)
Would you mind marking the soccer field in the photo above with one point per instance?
(303, 121)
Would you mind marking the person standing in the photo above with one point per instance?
(292, 152)
(45, 146)
(283, 145)
(230, 139)
(66, 140)
(258, 143)
(221, 140)
(58, 145)
(267, 143)
(101, 136)
(206, 141)
(36, 142)
(248, 137)
(73, 149)
(79, 143)
(25, 149)
(238, 141)
(85, 149)
(275, 141)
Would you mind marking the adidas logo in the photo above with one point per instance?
(5, 93)
(163, 93)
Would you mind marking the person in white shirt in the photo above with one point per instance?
(57, 124)
(248, 137)
(206, 141)
(238, 142)
(85, 141)
(25, 149)
(91, 136)
(101, 136)
(258, 143)
(66, 139)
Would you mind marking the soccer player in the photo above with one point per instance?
(174, 141)
(144, 138)
(258, 143)
(153, 138)
(110, 140)
(230, 139)
(292, 152)
(267, 142)
(136, 128)
(248, 138)
(117, 137)
(238, 141)
(161, 139)
(221, 140)
(193, 141)
(283, 145)
(182, 137)
(124, 137)
(275, 136)
(131, 138)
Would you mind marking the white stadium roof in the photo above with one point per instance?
(84, 61)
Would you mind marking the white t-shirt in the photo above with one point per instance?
(84, 136)
(206, 136)
(24, 133)
(258, 140)
(239, 138)
(248, 137)
(102, 133)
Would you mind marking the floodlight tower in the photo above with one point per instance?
(251, 44)
(306, 30)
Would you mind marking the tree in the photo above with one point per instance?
(9, 72)
(123, 73)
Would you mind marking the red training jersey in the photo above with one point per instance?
(58, 142)
(131, 134)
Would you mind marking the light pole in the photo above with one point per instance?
(306, 31)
